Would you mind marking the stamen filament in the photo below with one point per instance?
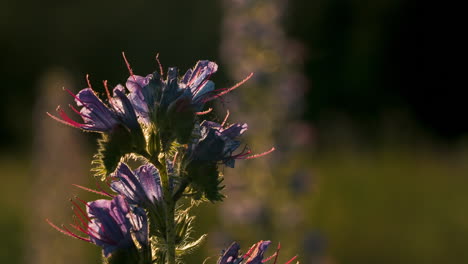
(92, 191)
(128, 66)
(161, 72)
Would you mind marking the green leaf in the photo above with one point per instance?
(190, 247)
(111, 147)
(205, 180)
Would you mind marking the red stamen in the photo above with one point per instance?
(270, 257)
(291, 260)
(76, 226)
(95, 234)
(107, 90)
(102, 190)
(261, 154)
(77, 215)
(128, 66)
(253, 248)
(225, 118)
(76, 97)
(82, 201)
(192, 77)
(204, 112)
(75, 235)
(78, 112)
(277, 252)
(202, 84)
(161, 72)
(242, 154)
(65, 119)
(87, 81)
(175, 157)
(227, 90)
(93, 191)
(80, 210)
(66, 231)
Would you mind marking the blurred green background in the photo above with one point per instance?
(371, 132)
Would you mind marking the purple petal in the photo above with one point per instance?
(187, 76)
(202, 70)
(150, 182)
(109, 228)
(135, 83)
(136, 97)
(94, 112)
(230, 254)
(140, 186)
(124, 108)
(235, 130)
(211, 124)
(139, 221)
(128, 184)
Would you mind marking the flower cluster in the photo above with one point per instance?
(155, 149)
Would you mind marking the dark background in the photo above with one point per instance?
(362, 58)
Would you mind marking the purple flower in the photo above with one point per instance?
(218, 143)
(253, 256)
(112, 223)
(141, 186)
(96, 115)
(109, 224)
(230, 255)
(196, 81)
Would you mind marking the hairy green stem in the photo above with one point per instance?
(183, 184)
(169, 206)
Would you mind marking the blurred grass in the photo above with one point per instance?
(395, 204)
(405, 205)
(13, 193)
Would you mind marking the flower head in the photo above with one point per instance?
(188, 93)
(218, 143)
(96, 115)
(109, 224)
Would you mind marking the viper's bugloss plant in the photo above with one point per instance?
(155, 148)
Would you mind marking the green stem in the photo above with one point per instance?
(184, 183)
(169, 206)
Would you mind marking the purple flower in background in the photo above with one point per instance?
(256, 252)
(253, 256)
(141, 186)
(109, 224)
(97, 116)
(230, 255)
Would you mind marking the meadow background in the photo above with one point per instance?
(370, 126)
